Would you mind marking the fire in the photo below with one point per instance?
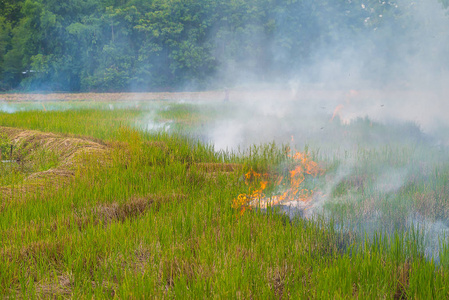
(337, 111)
(352, 94)
(302, 167)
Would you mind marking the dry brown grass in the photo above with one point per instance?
(218, 95)
(107, 213)
(51, 251)
(403, 274)
(61, 286)
(132, 208)
(142, 256)
(278, 279)
(72, 154)
(66, 147)
(114, 97)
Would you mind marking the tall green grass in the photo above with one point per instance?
(152, 222)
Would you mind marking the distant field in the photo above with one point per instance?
(280, 94)
(110, 97)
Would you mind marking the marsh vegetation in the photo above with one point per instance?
(105, 209)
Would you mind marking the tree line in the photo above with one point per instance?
(118, 45)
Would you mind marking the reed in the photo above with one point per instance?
(150, 216)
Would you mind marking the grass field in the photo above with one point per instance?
(103, 202)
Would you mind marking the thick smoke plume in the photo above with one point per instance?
(393, 72)
(376, 102)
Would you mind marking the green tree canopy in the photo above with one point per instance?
(111, 45)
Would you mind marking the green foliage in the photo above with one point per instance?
(113, 45)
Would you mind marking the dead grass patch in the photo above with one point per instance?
(403, 274)
(278, 279)
(66, 147)
(133, 207)
(130, 209)
(61, 286)
(142, 256)
(52, 174)
(107, 213)
(51, 251)
(190, 268)
(72, 153)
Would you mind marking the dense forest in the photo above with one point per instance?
(118, 45)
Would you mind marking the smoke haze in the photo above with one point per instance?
(393, 71)
(373, 101)
(384, 88)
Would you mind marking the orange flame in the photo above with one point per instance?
(303, 166)
(337, 111)
(348, 97)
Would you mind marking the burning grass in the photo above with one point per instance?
(150, 216)
(291, 186)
